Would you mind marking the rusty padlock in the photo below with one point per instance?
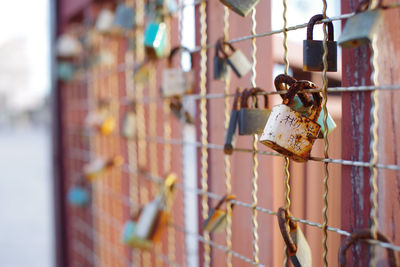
(233, 121)
(124, 17)
(221, 67)
(179, 111)
(366, 234)
(237, 60)
(129, 122)
(155, 39)
(288, 131)
(105, 19)
(313, 50)
(361, 28)
(253, 120)
(241, 7)
(296, 244)
(216, 220)
(176, 81)
(302, 103)
(95, 168)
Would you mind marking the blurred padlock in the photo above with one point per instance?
(313, 50)
(296, 244)
(237, 60)
(78, 195)
(233, 121)
(303, 104)
(171, 5)
(221, 67)
(124, 17)
(65, 71)
(101, 119)
(95, 168)
(68, 47)
(129, 122)
(179, 111)
(361, 28)
(252, 120)
(141, 73)
(105, 19)
(155, 38)
(241, 7)
(217, 217)
(176, 81)
(288, 131)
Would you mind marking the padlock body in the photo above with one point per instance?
(129, 125)
(228, 147)
(65, 71)
(241, 7)
(221, 69)
(124, 17)
(175, 81)
(302, 258)
(105, 20)
(78, 196)
(361, 28)
(155, 39)
(215, 222)
(239, 63)
(129, 237)
(313, 51)
(148, 219)
(252, 120)
(290, 133)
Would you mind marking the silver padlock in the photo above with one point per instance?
(237, 60)
(253, 120)
(296, 244)
(68, 47)
(124, 17)
(241, 7)
(361, 28)
(302, 103)
(221, 67)
(288, 131)
(233, 121)
(105, 19)
(176, 81)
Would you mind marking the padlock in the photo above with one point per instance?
(65, 71)
(302, 103)
(124, 17)
(68, 47)
(141, 73)
(252, 120)
(129, 122)
(216, 220)
(288, 131)
(178, 110)
(221, 67)
(171, 5)
(241, 7)
(365, 234)
(78, 195)
(95, 168)
(101, 119)
(361, 28)
(233, 121)
(155, 39)
(237, 60)
(129, 238)
(296, 244)
(313, 50)
(105, 19)
(176, 81)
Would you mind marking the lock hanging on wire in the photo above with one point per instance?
(288, 131)
(217, 217)
(252, 120)
(237, 60)
(95, 168)
(365, 234)
(155, 39)
(221, 67)
(313, 50)
(129, 122)
(101, 119)
(124, 18)
(170, 5)
(241, 7)
(362, 28)
(302, 103)
(105, 20)
(233, 121)
(79, 195)
(176, 81)
(296, 244)
(177, 108)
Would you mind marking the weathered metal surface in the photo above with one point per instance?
(313, 50)
(233, 122)
(238, 61)
(241, 7)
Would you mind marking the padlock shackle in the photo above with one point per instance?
(282, 79)
(253, 92)
(225, 199)
(365, 234)
(176, 50)
(286, 225)
(223, 44)
(310, 27)
(366, 4)
(219, 48)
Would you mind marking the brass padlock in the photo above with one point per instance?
(237, 60)
(302, 103)
(105, 19)
(95, 168)
(221, 67)
(233, 121)
(124, 17)
(253, 120)
(313, 50)
(155, 39)
(216, 220)
(176, 81)
(296, 244)
(288, 131)
(129, 122)
(79, 195)
(361, 28)
(241, 7)
(366, 234)
(178, 110)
